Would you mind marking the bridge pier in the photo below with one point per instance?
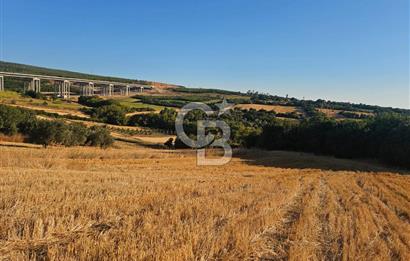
(107, 90)
(1, 83)
(35, 85)
(88, 90)
(110, 89)
(127, 90)
(62, 85)
(64, 89)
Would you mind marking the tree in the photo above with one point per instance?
(112, 114)
(47, 133)
(14, 120)
(99, 136)
(95, 101)
(34, 95)
(396, 147)
(163, 120)
(77, 135)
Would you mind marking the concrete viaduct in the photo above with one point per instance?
(63, 85)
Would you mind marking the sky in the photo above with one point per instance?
(342, 50)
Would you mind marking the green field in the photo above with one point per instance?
(136, 103)
(11, 97)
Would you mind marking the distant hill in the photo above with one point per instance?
(177, 90)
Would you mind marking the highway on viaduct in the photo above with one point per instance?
(88, 86)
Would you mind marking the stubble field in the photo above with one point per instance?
(144, 204)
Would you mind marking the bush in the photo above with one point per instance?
(163, 120)
(78, 135)
(15, 120)
(95, 101)
(58, 133)
(111, 114)
(99, 136)
(34, 95)
(47, 133)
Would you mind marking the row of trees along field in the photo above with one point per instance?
(45, 132)
(385, 137)
(262, 98)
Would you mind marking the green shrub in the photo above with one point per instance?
(15, 120)
(95, 101)
(112, 114)
(34, 95)
(99, 136)
(163, 120)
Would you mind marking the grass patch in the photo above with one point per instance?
(9, 95)
(137, 103)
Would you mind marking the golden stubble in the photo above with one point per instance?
(136, 203)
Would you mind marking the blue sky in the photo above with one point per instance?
(345, 50)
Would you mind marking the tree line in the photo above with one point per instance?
(385, 137)
(264, 98)
(45, 132)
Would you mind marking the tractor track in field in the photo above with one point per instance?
(385, 218)
(276, 240)
(331, 243)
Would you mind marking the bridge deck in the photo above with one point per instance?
(77, 80)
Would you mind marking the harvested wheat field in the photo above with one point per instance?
(276, 108)
(335, 113)
(144, 204)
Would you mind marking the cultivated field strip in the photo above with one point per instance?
(376, 231)
(135, 203)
